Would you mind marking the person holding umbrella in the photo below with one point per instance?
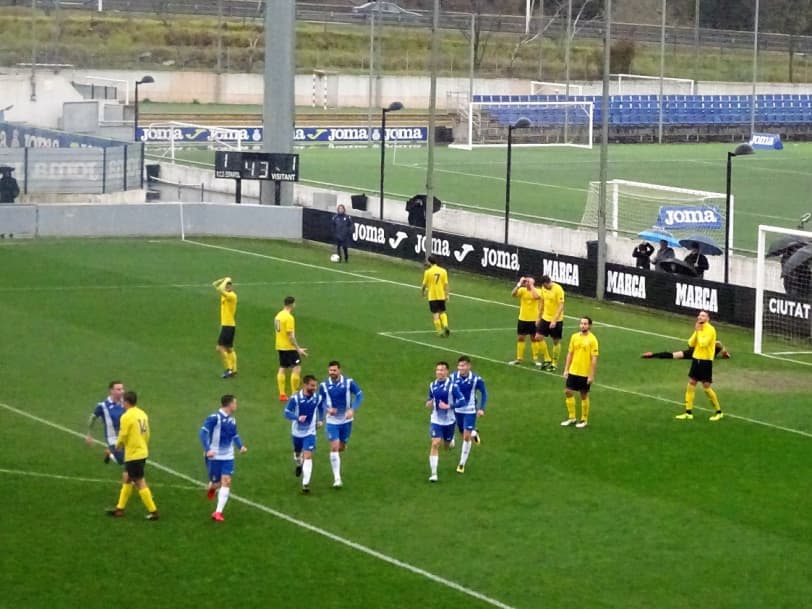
(8, 185)
(697, 260)
(665, 252)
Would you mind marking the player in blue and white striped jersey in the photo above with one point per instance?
(443, 394)
(342, 396)
(306, 412)
(219, 436)
(109, 410)
(467, 411)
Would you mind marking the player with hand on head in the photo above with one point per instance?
(290, 353)
(228, 325)
(219, 436)
(305, 410)
(703, 342)
(443, 395)
(342, 396)
(467, 410)
(110, 410)
(529, 302)
(579, 372)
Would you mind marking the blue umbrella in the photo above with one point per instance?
(657, 234)
(705, 244)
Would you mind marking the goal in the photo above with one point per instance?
(540, 87)
(633, 207)
(783, 314)
(552, 123)
(633, 84)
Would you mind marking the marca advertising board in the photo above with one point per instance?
(454, 251)
(301, 135)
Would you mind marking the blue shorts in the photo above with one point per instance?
(219, 468)
(307, 443)
(339, 431)
(118, 454)
(446, 432)
(466, 420)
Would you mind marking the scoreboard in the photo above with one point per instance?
(276, 166)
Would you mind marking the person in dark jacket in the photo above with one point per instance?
(342, 231)
(698, 261)
(642, 255)
(8, 185)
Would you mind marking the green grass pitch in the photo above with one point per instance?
(636, 511)
(769, 187)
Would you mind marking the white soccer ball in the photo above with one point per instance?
(335, 258)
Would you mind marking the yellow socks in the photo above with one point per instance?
(543, 350)
(570, 402)
(295, 382)
(444, 320)
(224, 356)
(520, 350)
(280, 383)
(713, 399)
(124, 495)
(438, 327)
(690, 391)
(233, 362)
(534, 349)
(146, 499)
(585, 409)
(556, 352)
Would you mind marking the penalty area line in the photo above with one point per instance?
(111, 481)
(294, 521)
(639, 394)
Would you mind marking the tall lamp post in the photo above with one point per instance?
(144, 81)
(741, 150)
(521, 123)
(393, 107)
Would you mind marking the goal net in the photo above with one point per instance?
(634, 207)
(552, 123)
(783, 315)
(540, 87)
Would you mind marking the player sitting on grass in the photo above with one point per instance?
(720, 353)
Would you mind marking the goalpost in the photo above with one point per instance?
(633, 207)
(783, 313)
(564, 123)
(674, 85)
(540, 87)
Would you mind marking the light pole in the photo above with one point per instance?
(144, 81)
(741, 150)
(521, 123)
(393, 107)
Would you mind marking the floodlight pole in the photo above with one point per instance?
(519, 124)
(393, 107)
(741, 150)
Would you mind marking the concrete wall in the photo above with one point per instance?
(151, 220)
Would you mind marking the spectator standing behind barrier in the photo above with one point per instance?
(642, 255)
(342, 231)
(698, 261)
(666, 252)
(9, 190)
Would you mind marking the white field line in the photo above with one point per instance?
(110, 481)
(787, 359)
(295, 521)
(404, 285)
(161, 286)
(394, 335)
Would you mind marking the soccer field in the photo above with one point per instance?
(769, 187)
(636, 511)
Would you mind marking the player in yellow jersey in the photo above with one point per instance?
(290, 353)
(228, 325)
(529, 301)
(579, 372)
(435, 290)
(134, 439)
(703, 342)
(550, 322)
